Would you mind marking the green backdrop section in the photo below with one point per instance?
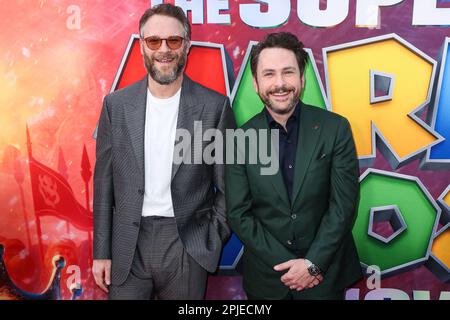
(417, 210)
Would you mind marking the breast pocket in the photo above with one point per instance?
(322, 162)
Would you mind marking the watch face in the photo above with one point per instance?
(313, 270)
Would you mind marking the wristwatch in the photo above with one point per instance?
(312, 268)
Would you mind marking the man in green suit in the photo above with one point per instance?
(295, 224)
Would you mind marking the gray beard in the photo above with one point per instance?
(165, 79)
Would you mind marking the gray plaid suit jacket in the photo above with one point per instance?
(197, 189)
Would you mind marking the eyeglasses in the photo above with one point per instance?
(173, 42)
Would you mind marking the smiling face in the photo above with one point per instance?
(164, 65)
(278, 80)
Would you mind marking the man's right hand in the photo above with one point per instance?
(101, 270)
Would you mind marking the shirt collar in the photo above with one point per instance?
(295, 116)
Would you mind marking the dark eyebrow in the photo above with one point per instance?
(284, 69)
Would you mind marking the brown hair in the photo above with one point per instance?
(285, 40)
(169, 10)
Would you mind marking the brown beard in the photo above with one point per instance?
(266, 100)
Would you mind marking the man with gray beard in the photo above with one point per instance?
(159, 225)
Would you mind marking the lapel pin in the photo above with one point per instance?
(316, 126)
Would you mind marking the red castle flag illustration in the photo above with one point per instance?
(53, 196)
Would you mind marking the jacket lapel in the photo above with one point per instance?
(276, 179)
(190, 110)
(135, 120)
(309, 132)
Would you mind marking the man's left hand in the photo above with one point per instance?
(298, 277)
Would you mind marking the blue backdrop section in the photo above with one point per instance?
(230, 253)
(442, 150)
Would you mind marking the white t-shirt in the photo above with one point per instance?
(160, 129)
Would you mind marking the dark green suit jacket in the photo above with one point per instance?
(315, 225)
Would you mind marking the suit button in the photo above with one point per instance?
(136, 224)
(289, 242)
(141, 192)
(294, 216)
